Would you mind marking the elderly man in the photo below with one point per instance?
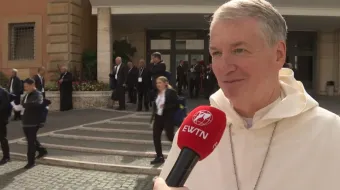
(143, 86)
(15, 87)
(66, 89)
(278, 138)
(119, 75)
(131, 82)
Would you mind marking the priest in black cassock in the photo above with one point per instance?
(65, 88)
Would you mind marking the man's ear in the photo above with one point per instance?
(281, 52)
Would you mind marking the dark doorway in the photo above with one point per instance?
(301, 53)
(177, 45)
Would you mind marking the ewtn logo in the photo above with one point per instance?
(202, 118)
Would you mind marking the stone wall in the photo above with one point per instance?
(66, 32)
(81, 99)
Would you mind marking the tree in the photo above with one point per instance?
(123, 49)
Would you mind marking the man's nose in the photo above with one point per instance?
(227, 63)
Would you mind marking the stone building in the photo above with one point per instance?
(55, 32)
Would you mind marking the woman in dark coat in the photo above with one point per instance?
(165, 106)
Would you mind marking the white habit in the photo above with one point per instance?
(305, 152)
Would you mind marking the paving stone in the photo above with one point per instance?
(13, 177)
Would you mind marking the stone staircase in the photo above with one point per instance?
(123, 144)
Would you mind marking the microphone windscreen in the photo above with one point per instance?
(202, 130)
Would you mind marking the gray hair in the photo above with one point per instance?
(273, 25)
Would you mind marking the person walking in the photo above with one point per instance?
(32, 114)
(164, 108)
(4, 115)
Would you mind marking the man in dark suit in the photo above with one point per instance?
(195, 76)
(158, 69)
(180, 77)
(66, 89)
(40, 80)
(4, 114)
(132, 82)
(209, 81)
(144, 85)
(33, 106)
(15, 87)
(120, 76)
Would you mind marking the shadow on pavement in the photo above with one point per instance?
(7, 178)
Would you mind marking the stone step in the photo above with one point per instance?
(105, 139)
(143, 113)
(129, 122)
(101, 134)
(120, 146)
(100, 150)
(126, 131)
(134, 119)
(102, 162)
(108, 125)
(141, 116)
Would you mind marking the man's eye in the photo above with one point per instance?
(216, 53)
(238, 51)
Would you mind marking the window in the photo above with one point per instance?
(160, 44)
(21, 41)
(190, 44)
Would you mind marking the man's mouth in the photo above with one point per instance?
(233, 81)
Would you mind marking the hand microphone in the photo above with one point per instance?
(199, 134)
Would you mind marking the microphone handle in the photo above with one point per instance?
(180, 172)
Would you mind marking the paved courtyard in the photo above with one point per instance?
(119, 143)
(42, 177)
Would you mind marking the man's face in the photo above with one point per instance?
(63, 69)
(141, 64)
(154, 59)
(244, 64)
(14, 74)
(42, 72)
(118, 61)
(28, 87)
(130, 65)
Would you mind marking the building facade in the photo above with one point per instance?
(63, 29)
(46, 33)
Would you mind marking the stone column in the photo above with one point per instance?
(104, 44)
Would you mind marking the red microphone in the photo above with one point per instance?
(199, 134)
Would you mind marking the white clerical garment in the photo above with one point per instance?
(305, 152)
